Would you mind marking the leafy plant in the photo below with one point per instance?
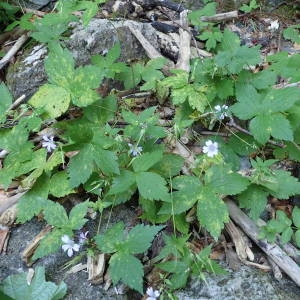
(282, 226)
(123, 248)
(20, 287)
(249, 7)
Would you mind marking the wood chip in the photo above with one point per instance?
(96, 268)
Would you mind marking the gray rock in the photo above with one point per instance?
(28, 74)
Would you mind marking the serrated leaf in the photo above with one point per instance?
(55, 214)
(212, 212)
(297, 238)
(77, 214)
(106, 161)
(49, 244)
(290, 187)
(17, 287)
(286, 235)
(170, 165)
(145, 161)
(152, 186)
(34, 200)
(255, 199)
(226, 182)
(296, 216)
(52, 99)
(139, 238)
(108, 242)
(59, 185)
(123, 182)
(128, 269)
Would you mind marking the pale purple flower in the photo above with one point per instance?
(69, 245)
(220, 111)
(135, 150)
(48, 143)
(83, 237)
(153, 294)
(210, 148)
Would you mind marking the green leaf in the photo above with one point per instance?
(255, 199)
(140, 237)
(59, 185)
(286, 235)
(297, 238)
(224, 181)
(6, 100)
(49, 244)
(108, 242)
(170, 165)
(152, 186)
(296, 216)
(34, 201)
(128, 269)
(77, 214)
(17, 287)
(292, 33)
(212, 212)
(52, 99)
(145, 161)
(106, 161)
(122, 183)
(55, 214)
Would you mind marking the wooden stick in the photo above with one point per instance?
(184, 55)
(221, 17)
(272, 250)
(13, 50)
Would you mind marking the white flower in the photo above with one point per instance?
(135, 150)
(220, 111)
(153, 294)
(210, 148)
(69, 245)
(48, 143)
(274, 25)
(83, 237)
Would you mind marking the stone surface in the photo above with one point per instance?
(28, 74)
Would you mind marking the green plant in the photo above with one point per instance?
(22, 286)
(251, 6)
(282, 226)
(86, 149)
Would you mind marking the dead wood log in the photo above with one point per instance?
(221, 17)
(273, 251)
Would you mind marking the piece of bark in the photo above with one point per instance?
(9, 201)
(184, 55)
(77, 268)
(9, 216)
(241, 247)
(275, 269)
(272, 250)
(29, 251)
(96, 267)
(4, 234)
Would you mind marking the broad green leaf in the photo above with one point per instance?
(140, 237)
(297, 238)
(106, 161)
(34, 201)
(170, 165)
(6, 100)
(55, 214)
(286, 235)
(296, 216)
(59, 66)
(281, 128)
(128, 269)
(17, 287)
(226, 182)
(123, 182)
(54, 100)
(145, 161)
(49, 244)
(152, 186)
(255, 199)
(59, 185)
(81, 166)
(212, 212)
(108, 242)
(77, 214)
(283, 185)
(178, 81)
